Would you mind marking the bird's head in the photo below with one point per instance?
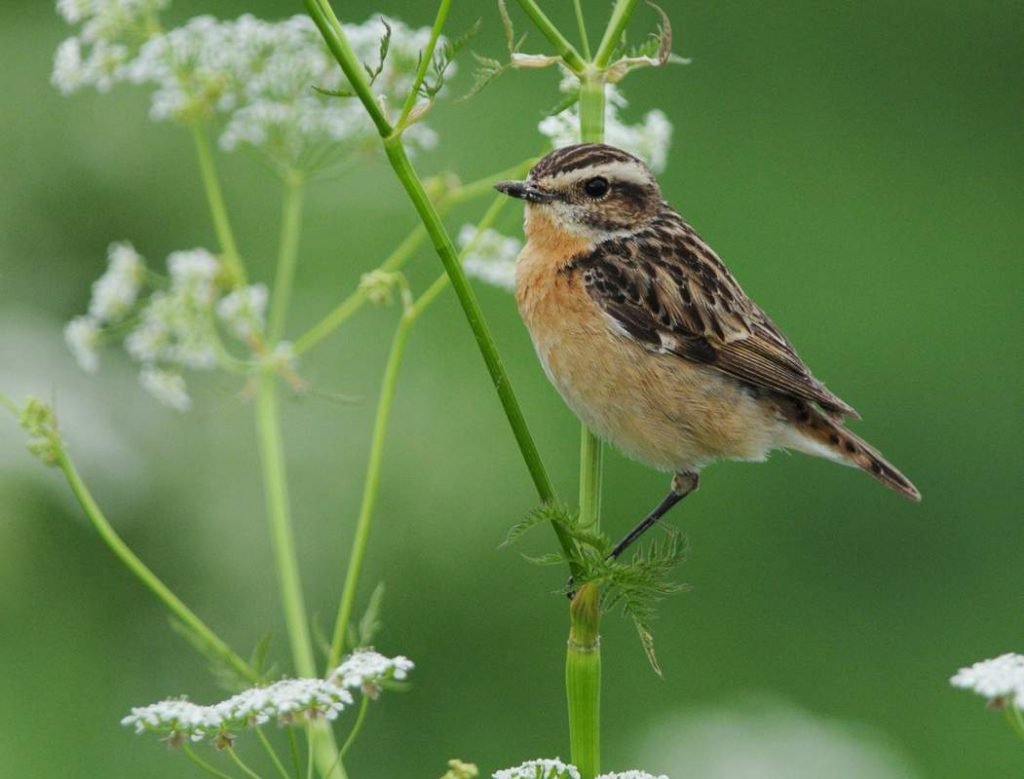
(592, 190)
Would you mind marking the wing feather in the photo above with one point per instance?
(665, 288)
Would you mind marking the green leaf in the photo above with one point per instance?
(370, 623)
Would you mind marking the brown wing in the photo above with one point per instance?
(668, 290)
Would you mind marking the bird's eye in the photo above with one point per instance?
(596, 187)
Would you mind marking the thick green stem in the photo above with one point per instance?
(198, 629)
(566, 50)
(583, 681)
(334, 35)
(474, 316)
(592, 101)
(287, 255)
(233, 266)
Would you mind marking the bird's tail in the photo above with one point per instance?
(819, 434)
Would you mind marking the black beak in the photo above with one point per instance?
(524, 190)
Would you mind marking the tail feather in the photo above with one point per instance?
(820, 434)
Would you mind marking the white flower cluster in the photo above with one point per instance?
(539, 769)
(1000, 679)
(113, 297)
(489, 256)
(174, 328)
(258, 77)
(112, 32)
(366, 670)
(287, 702)
(556, 769)
(649, 139)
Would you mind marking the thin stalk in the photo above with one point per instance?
(241, 764)
(566, 50)
(620, 17)
(364, 706)
(200, 631)
(583, 681)
(370, 485)
(191, 755)
(272, 753)
(268, 425)
(426, 57)
(218, 209)
(581, 25)
(288, 252)
(293, 743)
(401, 255)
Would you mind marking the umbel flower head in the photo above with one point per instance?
(271, 86)
(556, 769)
(1000, 679)
(286, 702)
(489, 256)
(173, 329)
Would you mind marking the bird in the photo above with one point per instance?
(650, 339)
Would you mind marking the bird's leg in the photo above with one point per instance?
(682, 485)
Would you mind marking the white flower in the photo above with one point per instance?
(167, 387)
(111, 33)
(244, 310)
(114, 293)
(286, 701)
(489, 256)
(366, 669)
(82, 336)
(192, 274)
(649, 140)
(176, 717)
(539, 769)
(633, 774)
(999, 679)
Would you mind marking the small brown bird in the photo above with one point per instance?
(651, 341)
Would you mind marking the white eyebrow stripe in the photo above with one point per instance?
(617, 170)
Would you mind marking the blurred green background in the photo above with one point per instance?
(858, 165)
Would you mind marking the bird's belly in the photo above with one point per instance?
(658, 408)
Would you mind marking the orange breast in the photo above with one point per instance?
(658, 408)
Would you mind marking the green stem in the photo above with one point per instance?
(218, 209)
(288, 252)
(330, 28)
(581, 25)
(401, 255)
(370, 485)
(241, 764)
(364, 706)
(620, 17)
(272, 753)
(565, 50)
(591, 473)
(592, 103)
(350, 305)
(268, 425)
(426, 57)
(199, 630)
(190, 753)
(583, 681)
